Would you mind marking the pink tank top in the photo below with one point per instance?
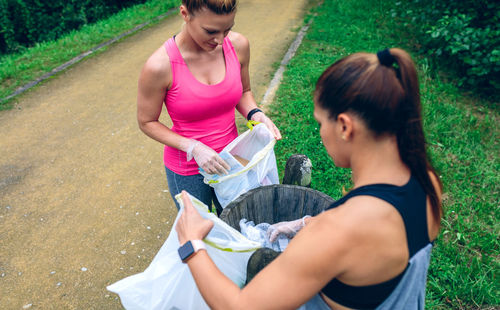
(200, 111)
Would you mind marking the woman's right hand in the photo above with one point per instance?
(288, 229)
(207, 158)
(262, 118)
(191, 225)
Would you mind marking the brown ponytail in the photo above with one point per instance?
(410, 137)
(387, 98)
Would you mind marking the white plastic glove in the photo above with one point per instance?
(206, 158)
(288, 229)
(261, 117)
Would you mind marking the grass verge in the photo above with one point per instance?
(19, 69)
(463, 136)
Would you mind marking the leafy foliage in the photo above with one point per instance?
(462, 35)
(463, 141)
(18, 69)
(23, 23)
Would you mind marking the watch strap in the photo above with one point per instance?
(198, 245)
(252, 112)
(189, 248)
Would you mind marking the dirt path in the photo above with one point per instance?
(83, 196)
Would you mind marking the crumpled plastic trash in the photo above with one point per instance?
(258, 233)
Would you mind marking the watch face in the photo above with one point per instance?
(186, 250)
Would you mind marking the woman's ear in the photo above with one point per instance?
(345, 124)
(184, 13)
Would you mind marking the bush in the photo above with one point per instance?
(23, 23)
(463, 35)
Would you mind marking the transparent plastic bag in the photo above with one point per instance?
(252, 161)
(168, 284)
(258, 233)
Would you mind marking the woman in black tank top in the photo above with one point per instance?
(376, 240)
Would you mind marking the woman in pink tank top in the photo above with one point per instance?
(201, 74)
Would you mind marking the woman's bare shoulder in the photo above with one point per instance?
(366, 220)
(241, 45)
(345, 235)
(158, 67)
(158, 62)
(238, 40)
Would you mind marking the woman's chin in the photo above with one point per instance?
(211, 47)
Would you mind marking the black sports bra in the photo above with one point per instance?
(410, 201)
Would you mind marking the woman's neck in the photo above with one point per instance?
(186, 44)
(378, 161)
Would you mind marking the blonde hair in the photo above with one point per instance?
(216, 6)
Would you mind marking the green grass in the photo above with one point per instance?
(19, 69)
(462, 131)
(463, 135)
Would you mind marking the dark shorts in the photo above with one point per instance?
(194, 185)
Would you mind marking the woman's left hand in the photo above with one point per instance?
(261, 117)
(191, 226)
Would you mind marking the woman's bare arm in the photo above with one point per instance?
(154, 81)
(247, 101)
(308, 263)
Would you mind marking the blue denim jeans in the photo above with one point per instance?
(194, 185)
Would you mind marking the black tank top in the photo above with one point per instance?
(410, 201)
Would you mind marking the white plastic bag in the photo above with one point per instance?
(255, 145)
(168, 284)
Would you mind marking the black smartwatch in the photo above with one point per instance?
(252, 112)
(189, 248)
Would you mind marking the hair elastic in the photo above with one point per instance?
(385, 58)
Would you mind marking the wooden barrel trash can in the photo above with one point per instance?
(275, 203)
